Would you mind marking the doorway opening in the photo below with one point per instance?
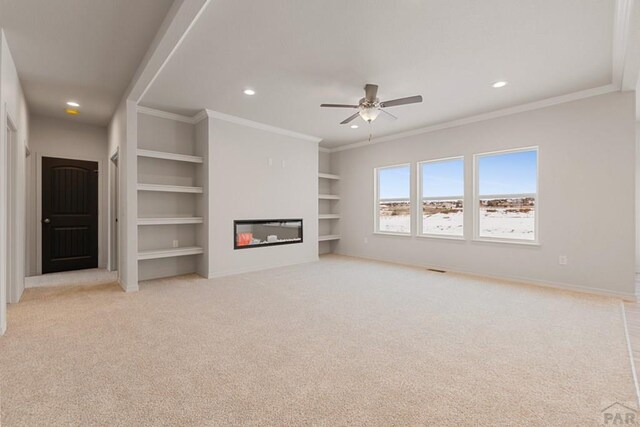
(69, 214)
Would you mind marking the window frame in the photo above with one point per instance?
(420, 199)
(477, 197)
(376, 201)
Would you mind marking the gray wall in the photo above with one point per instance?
(243, 185)
(586, 196)
(12, 253)
(51, 137)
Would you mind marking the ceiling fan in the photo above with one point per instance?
(370, 106)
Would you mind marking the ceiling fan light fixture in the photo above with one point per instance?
(369, 114)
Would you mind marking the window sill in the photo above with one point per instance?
(439, 237)
(507, 241)
(388, 233)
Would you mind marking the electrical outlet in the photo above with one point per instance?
(270, 161)
(175, 243)
(562, 260)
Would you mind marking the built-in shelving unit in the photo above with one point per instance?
(169, 188)
(328, 216)
(328, 197)
(169, 253)
(328, 237)
(169, 156)
(170, 206)
(170, 221)
(328, 176)
(328, 230)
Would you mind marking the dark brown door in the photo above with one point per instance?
(69, 214)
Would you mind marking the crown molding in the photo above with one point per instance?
(227, 118)
(485, 116)
(164, 114)
(199, 117)
(261, 126)
(324, 150)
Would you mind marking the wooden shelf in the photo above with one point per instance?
(169, 188)
(169, 221)
(328, 237)
(328, 216)
(328, 197)
(169, 156)
(169, 253)
(328, 176)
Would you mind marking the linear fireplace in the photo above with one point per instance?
(256, 233)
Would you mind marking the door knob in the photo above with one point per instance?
(46, 221)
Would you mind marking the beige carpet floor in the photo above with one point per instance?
(338, 342)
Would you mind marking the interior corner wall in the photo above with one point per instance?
(205, 203)
(53, 137)
(637, 211)
(13, 106)
(324, 162)
(257, 174)
(585, 207)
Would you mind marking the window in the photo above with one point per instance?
(442, 197)
(393, 203)
(506, 195)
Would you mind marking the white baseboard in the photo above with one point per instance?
(251, 269)
(126, 288)
(630, 296)
(93, 276)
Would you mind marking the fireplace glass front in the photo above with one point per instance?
(260, 233)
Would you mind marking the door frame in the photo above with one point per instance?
(101, 183)
(12, 255)
(113, 188)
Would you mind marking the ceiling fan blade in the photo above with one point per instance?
(402, 101)
(338, 106)
(370, 92)
(389, 114)
(349, 119)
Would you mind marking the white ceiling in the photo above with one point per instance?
(298, 54)
(85, 50)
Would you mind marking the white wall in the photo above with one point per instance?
(13, 105)
(122, 135)
(586, 200)
(244, 186)
(637, 195)
(51, 137)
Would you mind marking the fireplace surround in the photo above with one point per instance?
(258, 233)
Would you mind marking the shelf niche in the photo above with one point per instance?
(171, 189)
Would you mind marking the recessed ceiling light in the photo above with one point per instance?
(72, 111)
(249, 92)
(499, 84)
(73, 104)
(354, 126)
